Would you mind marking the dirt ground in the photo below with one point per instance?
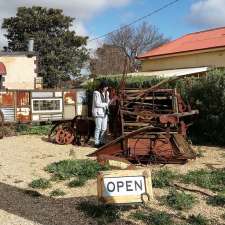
(22, 159)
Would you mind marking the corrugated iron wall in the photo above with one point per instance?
(24, 106)
(7, 105)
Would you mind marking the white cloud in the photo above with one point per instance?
(82, 10)
(81, 30)
(208, 13)
(79, 27)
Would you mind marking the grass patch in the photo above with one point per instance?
(77, 182)
(82, 170)
(163, 178)
(180, 200)
(57, 192)
(24, 129)
(104, 214)
(197, 220)
(152, 217)
(210, 179)
(217, 200)
(40, 183)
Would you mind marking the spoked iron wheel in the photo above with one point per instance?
(64, 136)
(59, 130)
(52, 132)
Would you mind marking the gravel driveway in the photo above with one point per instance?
(22, 159)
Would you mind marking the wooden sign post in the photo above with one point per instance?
(125, 186)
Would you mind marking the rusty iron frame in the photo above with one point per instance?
(140, 111)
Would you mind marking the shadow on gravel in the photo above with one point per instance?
(46, 210)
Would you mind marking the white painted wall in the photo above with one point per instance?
(20, 71)
(213, 58)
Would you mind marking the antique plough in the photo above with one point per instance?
(151, 127)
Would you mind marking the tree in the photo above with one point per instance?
(108, 60)
(61, 53)
(135, 40)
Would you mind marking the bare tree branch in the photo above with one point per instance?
(108, 60)
(135, 40)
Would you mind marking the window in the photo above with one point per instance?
(47, 105)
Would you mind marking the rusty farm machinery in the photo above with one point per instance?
(147, 126)
(150, 127)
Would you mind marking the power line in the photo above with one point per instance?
(137, 20)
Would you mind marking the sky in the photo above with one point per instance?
(97, 17)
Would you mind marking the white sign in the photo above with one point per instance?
(124, 186)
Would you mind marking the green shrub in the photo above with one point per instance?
(104, 214)
(131, 82)
(210, 179)
(207, 95)
(197, 220)
(153, 217)
(57, 192)
(41, 183)
(163, 178)
(82, 169)
(180, 200)
(217, 200)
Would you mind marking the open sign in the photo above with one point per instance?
(124, 186)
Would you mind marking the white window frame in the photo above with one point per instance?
(47, 99)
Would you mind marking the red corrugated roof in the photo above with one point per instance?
(2, 69)
(207, 39)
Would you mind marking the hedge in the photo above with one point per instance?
(206, 93)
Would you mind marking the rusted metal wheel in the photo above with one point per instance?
(52, 132)
(55, 129)
(69, 135)
(1, 125)
(64, 136)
